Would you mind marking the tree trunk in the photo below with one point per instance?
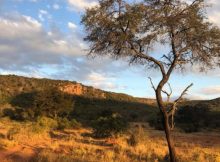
(172, 151)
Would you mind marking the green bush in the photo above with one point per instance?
(156, 122)
(44, 124)
(110, 125)
(64, 123)
(52, 103)
(75, 124)
(193, 118)
(19, 114)
(8, 112)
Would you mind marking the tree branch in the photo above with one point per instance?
(152, 59)
(172, 111)
(168, 94)
(183, 93)
(152, 84)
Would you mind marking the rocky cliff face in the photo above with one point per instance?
(73, 89)
(79, 89)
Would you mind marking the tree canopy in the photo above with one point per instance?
(124, 29)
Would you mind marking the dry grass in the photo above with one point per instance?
(78, 145)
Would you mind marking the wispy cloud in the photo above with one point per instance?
(56, 6)
(103, 81)
(72, 26)
(82, 4)
(213, 11)
(211, 90)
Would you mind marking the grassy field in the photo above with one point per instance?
(23, 142)
(33, 132)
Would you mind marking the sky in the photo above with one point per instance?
(44, 39)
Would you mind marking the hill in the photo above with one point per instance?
(20, 94)
(11, 85)
(212, 105)
(24, 98)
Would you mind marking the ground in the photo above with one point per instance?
(23, 142)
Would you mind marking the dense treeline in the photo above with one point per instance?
(194, 117)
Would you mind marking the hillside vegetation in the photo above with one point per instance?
(44, 120)
(26, 99)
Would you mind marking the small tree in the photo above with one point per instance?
(52, 103)
(128, 30)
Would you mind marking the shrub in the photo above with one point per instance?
(136, 136)
(75, 124)
(156, 122)
(109, 125)
(64, 123)
(52, 103)
(44, 124)
(8, 112)
(193, 118)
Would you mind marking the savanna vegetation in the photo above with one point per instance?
(41, 123)
(130, 30)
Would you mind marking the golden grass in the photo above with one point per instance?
(79, 146)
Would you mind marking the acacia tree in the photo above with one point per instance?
(132, 31)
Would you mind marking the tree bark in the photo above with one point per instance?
(172, 151)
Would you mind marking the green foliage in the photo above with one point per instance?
(193, 118)
(156, 121)
(64, 123)
(24, 100)
(52, 103)
(109, 125)
(75, 124)
(49, 102)
(44, 124)
(32, 98)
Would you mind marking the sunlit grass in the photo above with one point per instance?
(79, 146)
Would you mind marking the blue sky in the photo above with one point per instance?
(44, 38)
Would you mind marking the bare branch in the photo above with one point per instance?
(183, 93)
(168, 59)
(168, 94)
(172, 111)
(152, 84)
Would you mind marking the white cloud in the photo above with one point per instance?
(102, 81)
(213, 11)
(25, 43)
(211, 90)
(196, 97)
(71, 25)
(56, 7)
(82, 4)
(43, 14)
(215, 17)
